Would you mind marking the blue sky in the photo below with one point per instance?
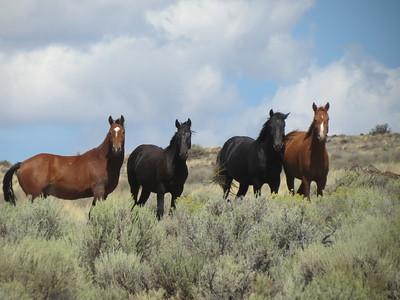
(66, 66)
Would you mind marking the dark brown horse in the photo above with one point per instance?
(305, 155)
(92, 174)
(160, 170)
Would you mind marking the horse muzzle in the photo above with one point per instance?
(183, 156)
(116, 149)
(278, 147)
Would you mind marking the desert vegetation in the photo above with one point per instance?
(343, 245)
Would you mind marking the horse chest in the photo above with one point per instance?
(173, 174)
(315, 164)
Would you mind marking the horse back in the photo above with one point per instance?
(235, 146)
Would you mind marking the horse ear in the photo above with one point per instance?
(314, 107)
(271, 112)
(110, 120)
(327, 106)
(189, 122)
(177, 124)
(122, 120)
(287, 115)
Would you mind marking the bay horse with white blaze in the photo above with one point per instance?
(306, 157)
(160, 170)
(92, 174)
(253, 162)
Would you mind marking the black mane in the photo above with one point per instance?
(265, 130)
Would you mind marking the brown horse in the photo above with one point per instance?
(305, 155)
(92, 174)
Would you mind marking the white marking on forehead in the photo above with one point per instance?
(321, 130)
(116, 130)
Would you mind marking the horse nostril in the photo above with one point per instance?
(116, 149)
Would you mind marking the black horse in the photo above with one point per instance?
(160, 170)
(253, 162)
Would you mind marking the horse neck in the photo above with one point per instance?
(172, 151)
(105, 151)
(264, 141)
(316, 146)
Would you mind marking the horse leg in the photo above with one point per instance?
(274, 185)
(300, 190)
(242, 190)
(144, 195)
(306, 187)
(290, 183)
(135, 191)
(98, 194)
(321, 183)
(257, 189)
(226, 186)
(32, 197)
(175, 194)
(160, 205)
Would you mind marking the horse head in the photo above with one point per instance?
(276, 126)
(320, 124)
(117, 134)
(183, 138)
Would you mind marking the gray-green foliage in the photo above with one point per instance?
(342, 245)
(113, 226)
(39, 269)
(42, 219)
(124, 271)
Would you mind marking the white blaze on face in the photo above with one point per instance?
(321, 130)
(116, 129)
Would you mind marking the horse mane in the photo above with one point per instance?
(310, 130)
(264, 132)
(172, 142)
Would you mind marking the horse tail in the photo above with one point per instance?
(219, 171)
(8, 191)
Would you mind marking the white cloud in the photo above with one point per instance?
(153, 61)
(361, 92)
(243, 37)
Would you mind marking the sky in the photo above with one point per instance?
(65, 66)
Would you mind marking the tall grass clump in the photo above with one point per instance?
(113, 226)
(39, 269)
(363, 263)
(123, 271)
(42, 219)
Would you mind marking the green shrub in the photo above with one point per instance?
(291, 228)
(41, 219)
(363, 262)
(380, 129)
(13, 290)
(46, 269)
(225, 278)
(176, 270)
(122, 270)
(113, 226)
